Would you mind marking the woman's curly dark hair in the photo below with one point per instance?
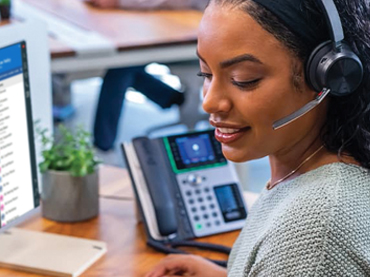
(347, 128)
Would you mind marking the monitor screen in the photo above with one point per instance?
(18, 174)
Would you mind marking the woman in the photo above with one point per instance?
(313, 218)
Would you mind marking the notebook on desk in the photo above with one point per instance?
(50, 250)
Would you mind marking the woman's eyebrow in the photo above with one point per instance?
(200, 57)
(239, 59)
(235, 60)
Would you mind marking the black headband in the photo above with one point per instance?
(295, 16)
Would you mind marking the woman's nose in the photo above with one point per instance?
(215, 99)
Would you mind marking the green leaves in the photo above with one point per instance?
(5, 2)
(72, 152)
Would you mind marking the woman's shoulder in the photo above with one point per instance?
(319, 222)
(345, 188)
(347, 223)
(338, 177)
(334, 189)
(317, 192)
(350, 200)
(331, 199)
(352, 186)
(339, 200)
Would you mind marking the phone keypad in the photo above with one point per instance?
(202, 206)
(198, 189)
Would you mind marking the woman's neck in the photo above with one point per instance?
(293, 162)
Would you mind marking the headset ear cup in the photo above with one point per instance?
(344, 75)
(312, 64)
(341, 72)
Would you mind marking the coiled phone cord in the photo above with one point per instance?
(171, 248)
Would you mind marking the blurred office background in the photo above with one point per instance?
(77, 100)
(139, 114)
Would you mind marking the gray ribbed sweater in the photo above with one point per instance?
(317, 224)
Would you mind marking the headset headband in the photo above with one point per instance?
(299, 20)
(333, 21)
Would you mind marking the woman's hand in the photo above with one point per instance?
(186, 265)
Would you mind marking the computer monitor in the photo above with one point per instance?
(25, 97)
(19, 192)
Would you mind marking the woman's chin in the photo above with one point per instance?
(238, 155)
(234, 156)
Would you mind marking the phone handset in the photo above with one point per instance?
(157, 184)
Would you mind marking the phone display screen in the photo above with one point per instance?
(195, 150)
(230, 203)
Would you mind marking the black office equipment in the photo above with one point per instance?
(185, 188)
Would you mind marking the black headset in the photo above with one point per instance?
(333, 64)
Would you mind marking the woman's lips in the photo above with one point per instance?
(228, 135)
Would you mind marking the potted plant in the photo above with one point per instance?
(5, 9)
(70, 178)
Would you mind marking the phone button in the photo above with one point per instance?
(232, 215)
(196, 218)
(194, 179)
(193, 209)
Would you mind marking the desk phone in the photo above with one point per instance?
(185, 188)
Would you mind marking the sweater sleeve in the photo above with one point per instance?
(163, 4)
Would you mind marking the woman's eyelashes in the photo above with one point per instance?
(246, 85)
(204, 75)
(243, 85)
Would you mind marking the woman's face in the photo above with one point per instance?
(248, 85)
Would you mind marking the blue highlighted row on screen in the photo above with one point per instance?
(11, 73)
(10, 61)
